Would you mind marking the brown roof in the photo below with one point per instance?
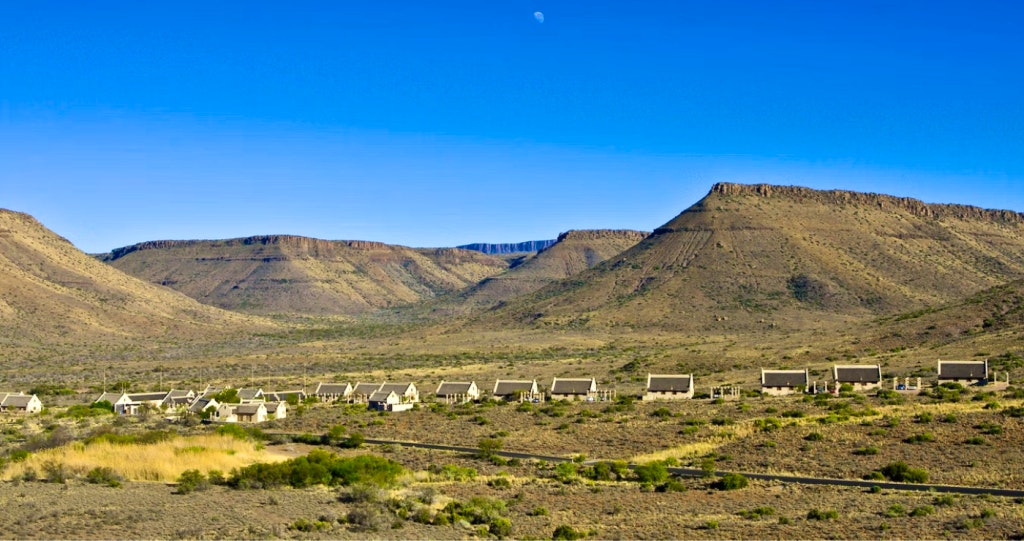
(572, 385)
(249, 409)
(665, 384)
(857, 373)
(963, 369)
(783, 378)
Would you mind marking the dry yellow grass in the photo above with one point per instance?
(159, 462)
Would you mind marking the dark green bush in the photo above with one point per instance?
(104, 476)
(191, 481)
(319, 467)
(731, 481)
(819, 514)
(900, 472)
(567, 533)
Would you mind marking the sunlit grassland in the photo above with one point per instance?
(157, 462)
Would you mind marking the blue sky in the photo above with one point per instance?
(449, 122)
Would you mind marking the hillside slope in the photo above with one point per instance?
(50, 292)
(759, 256)
(572, 253)
(299, 275)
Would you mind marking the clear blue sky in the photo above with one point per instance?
(448, 122)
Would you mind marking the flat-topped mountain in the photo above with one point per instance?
(52, 293)
(760, 256)
(284, 274)
(509, 248)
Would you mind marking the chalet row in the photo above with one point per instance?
(252, 406)
(861, 377)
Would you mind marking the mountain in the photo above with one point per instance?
(514, 248)
(297, 275)
(52, 293)
(572, 253)
(780, 257)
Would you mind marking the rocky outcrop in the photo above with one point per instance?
(600, 234)
(879, 201)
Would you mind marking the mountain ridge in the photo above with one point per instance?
(509, 248)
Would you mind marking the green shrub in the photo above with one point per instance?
(866, 451)
(900, 472)
(191, 481)
(814, 436)
(56, 472)
(567, 533)
(354, 440)
(757, 512)
(537, 512)
(975, 440)
(103, 476)
(319, 467)
(651, 472)
(895, 510)
(925, 437)
(731, 481)
(944, 499)
(768, 424)
(923, 417)
(818, 514)
(452, 472)
(922, 511)
(661, 413)
(499, 482)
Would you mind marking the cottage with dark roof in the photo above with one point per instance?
(121, 402)
(292, 397)
(969, 372)
(574, 389)
(361, 392)
(20, 403)
(861, 377)
(388, 401)
(333, 392)
(517, 389)
(457, 392)
(783, 382)
(277, 409)
(668, 387)
(406, 391)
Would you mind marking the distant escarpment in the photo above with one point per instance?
(509, 248)
(283, 274)
(771, 257)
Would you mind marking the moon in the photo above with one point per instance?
(539, 16)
